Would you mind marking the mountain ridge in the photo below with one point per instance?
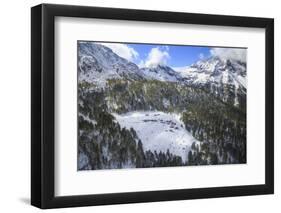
(217, 70)
(226, 79)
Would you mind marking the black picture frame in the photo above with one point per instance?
(43, 102)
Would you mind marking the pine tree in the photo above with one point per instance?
(140, 161)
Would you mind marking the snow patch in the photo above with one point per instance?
(159, 131)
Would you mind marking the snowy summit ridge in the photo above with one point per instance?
(98, 63)
(216, 70)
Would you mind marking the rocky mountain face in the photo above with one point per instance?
(160, 73)
(208, 98)
(226, 79)
(97, 64)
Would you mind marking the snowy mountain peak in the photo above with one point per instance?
(161, 73)
(226, 79)
(215, 70)
(98, 63)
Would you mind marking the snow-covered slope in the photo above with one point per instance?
(226, 79)
(159, 131)
(98, 63)
(215, 70)
(161, 73)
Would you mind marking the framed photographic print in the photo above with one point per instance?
(139, 106)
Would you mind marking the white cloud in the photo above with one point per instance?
(201, 56)
(156, 56)
(230, 53)
(123, 50)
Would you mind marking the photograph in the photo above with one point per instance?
(169, 104)
(160, 105)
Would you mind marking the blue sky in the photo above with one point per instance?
(147, 55)
(179, 56)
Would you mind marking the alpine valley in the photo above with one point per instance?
(158, 116)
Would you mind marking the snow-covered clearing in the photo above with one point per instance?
(159, 131)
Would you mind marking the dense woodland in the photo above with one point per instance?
(215, 122)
